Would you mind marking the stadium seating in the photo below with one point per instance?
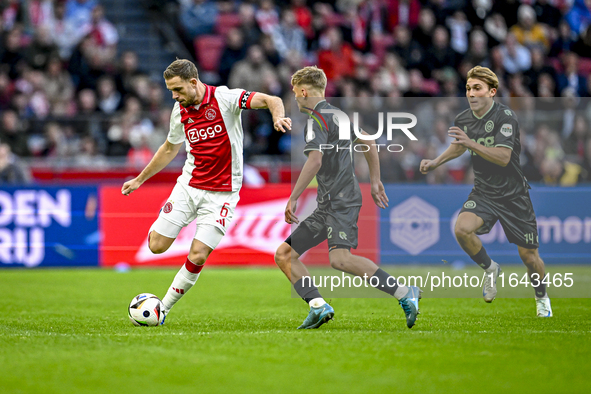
(226, 22)
(208, 49)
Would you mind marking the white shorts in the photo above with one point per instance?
(212, 212)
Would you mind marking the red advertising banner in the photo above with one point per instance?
(257, 230)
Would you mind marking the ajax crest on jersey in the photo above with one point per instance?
(146, 310)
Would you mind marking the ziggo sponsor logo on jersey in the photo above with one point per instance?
(196, 135)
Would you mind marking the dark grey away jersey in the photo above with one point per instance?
(498, 127)
(337, 184)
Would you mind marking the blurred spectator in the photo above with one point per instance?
(579, 16)
(55, 143)
(109, 99)
(424, 31)
(286, 69)
(88, 120)
(392, 75)
(41, 49)
(86, 64)
(234, 52)
(198, 18)
(478, 50)
(12, 133)
(267, 16)
(11, 170)
(127, 72)
(269, 50)
(409, 52)
(248, 24)
(575, 144)
(336, 56)
(131, 128)
(570, 77)
(303, 17)
(104, 35)
(551, 170)
(508, 8)
(12, 14)
(547, 13)
(89, 156)
(586, 165)
(440, 54)
(538, 67)
(12, 55)
(441, 10)
(459, 27)
(516, 57)
(6, 90)
(254, 64)
(155, 100)
(79, 12)
(63, 31)
(417, 84)
(477, 11)
(140, 154)
(403, 13)
(32, 85)
(59, 88)
(40, 12)
(564, 42)
(288, 36)
(528, 31)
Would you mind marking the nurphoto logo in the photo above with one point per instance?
(343, 121)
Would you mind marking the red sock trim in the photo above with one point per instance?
(192, 267)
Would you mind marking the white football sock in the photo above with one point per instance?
(182, 282)
(400, 292)
(317, 302)
(492, 268)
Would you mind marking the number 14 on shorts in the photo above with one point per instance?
(531, 238)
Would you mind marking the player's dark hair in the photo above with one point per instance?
(486, 75)
(183, 68)
(311, 76)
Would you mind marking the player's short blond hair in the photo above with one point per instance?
(183, 68)
(311, 76)
(486, 75)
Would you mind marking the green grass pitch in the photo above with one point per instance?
(67, 331)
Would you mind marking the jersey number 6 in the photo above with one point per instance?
(224, 211)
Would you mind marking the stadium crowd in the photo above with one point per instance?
(69, 96)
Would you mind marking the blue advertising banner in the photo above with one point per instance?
(418, 225)
(48, 226)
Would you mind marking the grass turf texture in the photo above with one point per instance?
(67, 331)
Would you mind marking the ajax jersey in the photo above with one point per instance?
(213, 134)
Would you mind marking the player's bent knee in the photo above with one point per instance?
(529, 256)
(158, 244)
(462, 231)
(283, 255)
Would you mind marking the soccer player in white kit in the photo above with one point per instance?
(207, 118)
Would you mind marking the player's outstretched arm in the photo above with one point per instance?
(275, 106)
(161, 158)
(308, 173)
(452, 151)
(378, 192)
(497, 155)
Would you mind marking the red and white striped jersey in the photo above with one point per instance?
(213, 134)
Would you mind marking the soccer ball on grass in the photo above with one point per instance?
(146, 310)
